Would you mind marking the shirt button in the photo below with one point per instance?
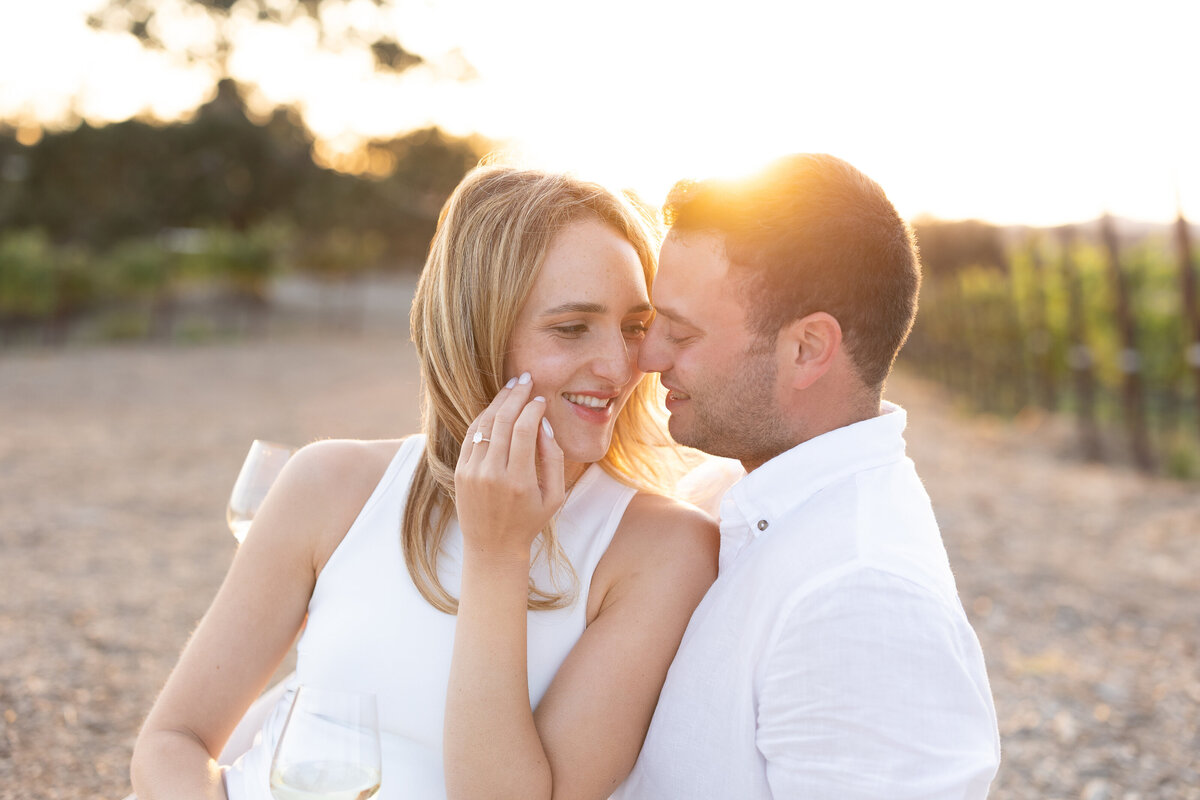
(762, 524)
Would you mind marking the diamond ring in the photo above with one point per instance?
(479, 437)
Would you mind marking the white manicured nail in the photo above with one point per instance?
(540, 399)
(511, 383)
(525, 378)
(546, 427)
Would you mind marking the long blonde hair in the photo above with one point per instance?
(491, 239)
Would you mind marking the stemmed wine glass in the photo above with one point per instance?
(260, 469)
(329, 747)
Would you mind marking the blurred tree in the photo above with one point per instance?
(101, 186)
(948, 247)
(341, 25)
(241, 193)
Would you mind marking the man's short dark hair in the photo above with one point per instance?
(813, 233)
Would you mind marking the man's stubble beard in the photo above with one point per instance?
(741, 420)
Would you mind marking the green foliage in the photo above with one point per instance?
(1011, 338)
(26, 276)
(340, 253)
(971, 320)
(242, 261)
(124, 216)
(136, 270)
(1183, 457)
(40, 282)
(99, 187)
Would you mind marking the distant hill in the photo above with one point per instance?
(1128, 230)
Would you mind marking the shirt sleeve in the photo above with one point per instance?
(875, 687)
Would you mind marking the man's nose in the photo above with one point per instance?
(654, 354)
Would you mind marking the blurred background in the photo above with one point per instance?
(212, 213)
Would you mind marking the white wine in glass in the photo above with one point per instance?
(260, 469)
(329, 747)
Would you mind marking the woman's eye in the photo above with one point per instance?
(570, 330)
(637, 329)
(678, 339)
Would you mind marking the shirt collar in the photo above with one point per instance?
(795, 475)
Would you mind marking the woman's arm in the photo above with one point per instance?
(589, 727)
(253, 620)
(491, 746)
(597, 710)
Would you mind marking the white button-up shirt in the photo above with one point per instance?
(831, 658)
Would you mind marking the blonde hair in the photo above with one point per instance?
(491, 239)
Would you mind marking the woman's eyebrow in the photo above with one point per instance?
(593, 308)
(577, 308)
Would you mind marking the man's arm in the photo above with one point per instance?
(875, 687)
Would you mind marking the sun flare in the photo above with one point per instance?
(1081, 113)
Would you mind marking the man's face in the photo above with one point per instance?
(723, 393)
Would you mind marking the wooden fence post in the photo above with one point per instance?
(1133, 391)
(1041, 342)
(1191, 307)
(1080, 355)
(1015, 361)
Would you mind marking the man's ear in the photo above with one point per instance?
(807, 347)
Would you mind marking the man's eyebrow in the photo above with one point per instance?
(592, 308)
(675, 316)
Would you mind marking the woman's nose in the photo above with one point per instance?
(616, 360)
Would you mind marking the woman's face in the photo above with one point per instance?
(578, 335)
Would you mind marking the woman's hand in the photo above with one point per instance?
(502, 500)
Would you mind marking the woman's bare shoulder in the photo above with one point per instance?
(669, 521)
(657, 529)
(664, 551)
(345, 460)
(330, 480)
(336, 470)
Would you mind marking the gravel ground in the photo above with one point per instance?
(115, 464)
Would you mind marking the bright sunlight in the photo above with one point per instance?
(1017, 113)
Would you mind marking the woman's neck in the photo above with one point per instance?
(572, 472)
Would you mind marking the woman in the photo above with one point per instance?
(506, 582)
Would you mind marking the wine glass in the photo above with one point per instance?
(329, 747)
(260, 469)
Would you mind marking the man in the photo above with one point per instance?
(832, 657)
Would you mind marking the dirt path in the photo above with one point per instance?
(115, 465)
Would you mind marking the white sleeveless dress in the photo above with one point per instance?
(370, 630)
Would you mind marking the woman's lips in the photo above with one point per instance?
(591, 401)
(590, 407)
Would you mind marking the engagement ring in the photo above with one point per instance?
(479, 437)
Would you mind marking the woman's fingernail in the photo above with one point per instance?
(540, 399)
(546, 427)
(511, 383)
(524, 378)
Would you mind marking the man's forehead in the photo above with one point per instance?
(710, 242)
(693, 283)
(694, 252)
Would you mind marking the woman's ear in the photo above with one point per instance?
(806, 348)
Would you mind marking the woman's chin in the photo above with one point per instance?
(580, 453)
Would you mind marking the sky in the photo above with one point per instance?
(1016, 112)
